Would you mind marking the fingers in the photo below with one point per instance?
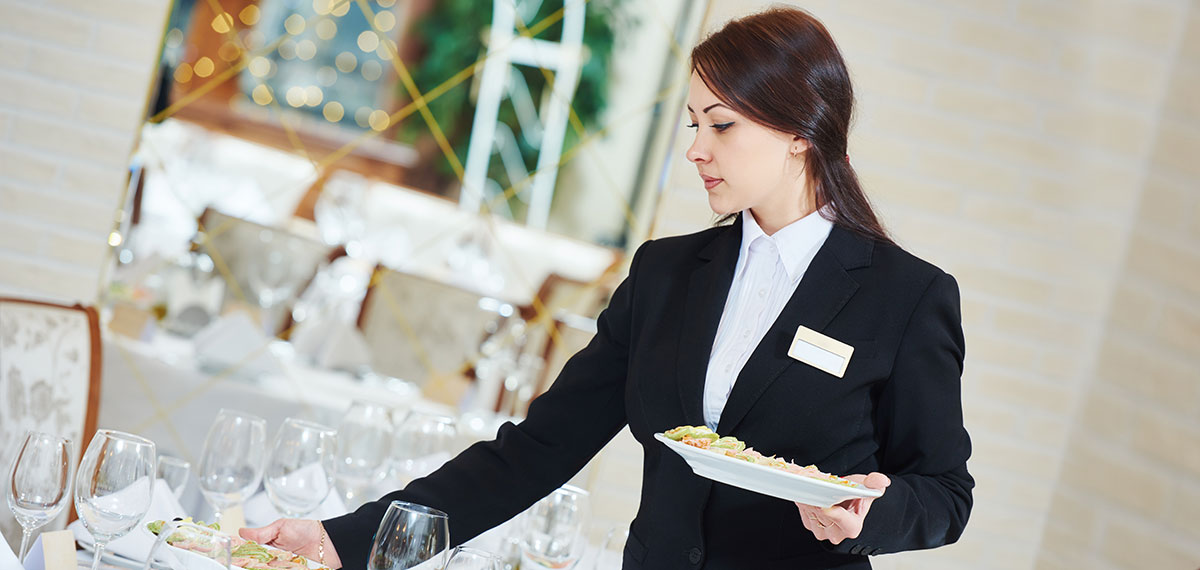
(848, 520)
(877, 481)
(262, 535)
(817, 522)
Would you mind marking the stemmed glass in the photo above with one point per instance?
(612, 551)
(466, 558)
(410, 535)
(231, 465)
(183, 545)
(553, 527)
(114, 486)
(39, 479)
(422, 444)
(364, 439)
(299, 471)
(175, 472)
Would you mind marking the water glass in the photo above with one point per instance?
(612, 551)
(410, 535)
(231, 465)
(466, 558)
(552, 529)
(364, 440)
(114, 486)
(299, 470)
(423, 443)
(175, 472)
(184, 545)
(40, 477)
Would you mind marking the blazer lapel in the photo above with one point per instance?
(707, 291)
(821, 294)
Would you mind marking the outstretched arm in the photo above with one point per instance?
(492, 481)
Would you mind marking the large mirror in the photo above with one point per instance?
(435, 191)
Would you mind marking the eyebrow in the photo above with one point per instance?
(706, 109)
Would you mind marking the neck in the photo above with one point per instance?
(774, 217)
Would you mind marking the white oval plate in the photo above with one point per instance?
(766, 480)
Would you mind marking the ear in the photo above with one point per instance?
(798, 146)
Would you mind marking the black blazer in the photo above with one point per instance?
(897, 410)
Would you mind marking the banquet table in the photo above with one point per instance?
(156, 389)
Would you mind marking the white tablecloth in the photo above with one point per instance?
(156, 391)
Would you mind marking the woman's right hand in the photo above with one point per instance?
(304, 537)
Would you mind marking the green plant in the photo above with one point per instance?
(452, 36)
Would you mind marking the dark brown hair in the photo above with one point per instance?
(781, 68)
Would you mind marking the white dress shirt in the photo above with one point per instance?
(768, 269)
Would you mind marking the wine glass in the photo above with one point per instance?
(39, 477)
(410, 535)
(612, 550)
(185, 545)
(364, 439)
(114, 486)
(231, 465)
(552, 529)
(174, 471)
(299, 471)
(423, 443)
(466, 558)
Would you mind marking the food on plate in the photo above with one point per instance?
(246, 553)
(695, 436)
(704, 438)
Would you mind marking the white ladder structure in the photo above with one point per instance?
(507, 48)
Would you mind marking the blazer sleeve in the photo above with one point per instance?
(924, 446)
(492, 481)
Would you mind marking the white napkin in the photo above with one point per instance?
(234, 339)
(260, 512)
(8, 558)
(36, 559)
(136, 544)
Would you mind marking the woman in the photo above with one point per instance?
(700, 332)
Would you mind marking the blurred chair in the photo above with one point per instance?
(49, 379)
(269, 267)
(417, 328)
(571, 334)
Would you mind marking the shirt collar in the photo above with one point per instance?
(796, 242)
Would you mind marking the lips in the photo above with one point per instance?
(710, 182)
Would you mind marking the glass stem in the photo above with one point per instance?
(26, 534)
(96, 555)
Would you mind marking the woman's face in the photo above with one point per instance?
(743, 164)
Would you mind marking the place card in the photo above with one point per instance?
(58, 550)
(130, 321)
(232, 520)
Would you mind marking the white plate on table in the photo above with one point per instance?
(766, 480)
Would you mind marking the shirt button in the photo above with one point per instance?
(694, 555)
(746, 333)
(762, 292)
(728, 368)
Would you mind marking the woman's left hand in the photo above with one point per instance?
(845, 519)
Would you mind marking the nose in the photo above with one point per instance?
(698, 152)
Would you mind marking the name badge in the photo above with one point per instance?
(820, 351)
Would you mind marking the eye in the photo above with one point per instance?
(722, 126)
(692, 126)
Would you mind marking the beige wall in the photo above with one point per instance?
(1042, 152)
(1009, 142)
(1129, 492)
(74, 78)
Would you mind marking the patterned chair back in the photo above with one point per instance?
(49, 382)
(418, 328)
